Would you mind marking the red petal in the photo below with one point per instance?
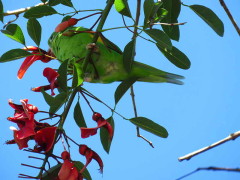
(45, 138)
(26, 64)
(86, 132)
(22, 143)
(90, 154)
(51, 75)
(68, 171)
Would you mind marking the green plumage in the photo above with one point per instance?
(108, 62)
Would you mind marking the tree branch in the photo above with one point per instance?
(210, 168)
(230, 16)
(232, 136)
(22, 10)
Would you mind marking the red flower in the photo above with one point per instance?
(45, 139)
(51, 75)
(90, 154)
(24, 118)
(22, 143)
(38, 54)
(68, 171)
(86, 132)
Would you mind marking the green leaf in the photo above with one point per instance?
(51, 173)
(14, 54)
(150, 126)
(34, 30)
(150, 11)
(209, 17)
(161, 13)
(48, 98)
(39, 11)
(67, 3)
(44, 1)
(176, 57)
(77, 75)
(54, 2)
(57, 102)
(85, 173)
(66, 18)
(160, 37)
(62, 78)
(104, 136)
(122, 7)
(14, 32)
(148, 7)
(123, 87)
(78, 116)
(1, 11)
(172, 31)
(173, 7)
(128, 55)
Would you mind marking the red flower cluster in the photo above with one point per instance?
(29, 128)
(38, 54)
(86, 132)
(51, 76)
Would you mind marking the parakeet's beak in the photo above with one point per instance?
(38, 54)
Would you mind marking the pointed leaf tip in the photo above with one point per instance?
(209, 17)
(150, 126)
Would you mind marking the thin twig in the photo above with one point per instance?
(169, 24)
(135, 34)
(232, 136)
(230, 16)
(212, 169)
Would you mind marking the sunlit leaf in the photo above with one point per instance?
(209, 17)
(78, 116)
(62, 78)
(123, 87)
(14, 32)
(160, 37)
(1, 11)
(104, 136)
(122, 7)
(128, 55)
(85, 173)
(39, 11)
(150, 126)
(176, 57)
(161, 13)
(77, 75)
(14, 54)
(34, 30)
(150, 11)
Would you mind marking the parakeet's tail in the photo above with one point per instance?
(148, 73)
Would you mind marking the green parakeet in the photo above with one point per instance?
(107, 63)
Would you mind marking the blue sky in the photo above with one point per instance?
(202, 111)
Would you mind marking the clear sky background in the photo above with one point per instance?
(202, 111)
